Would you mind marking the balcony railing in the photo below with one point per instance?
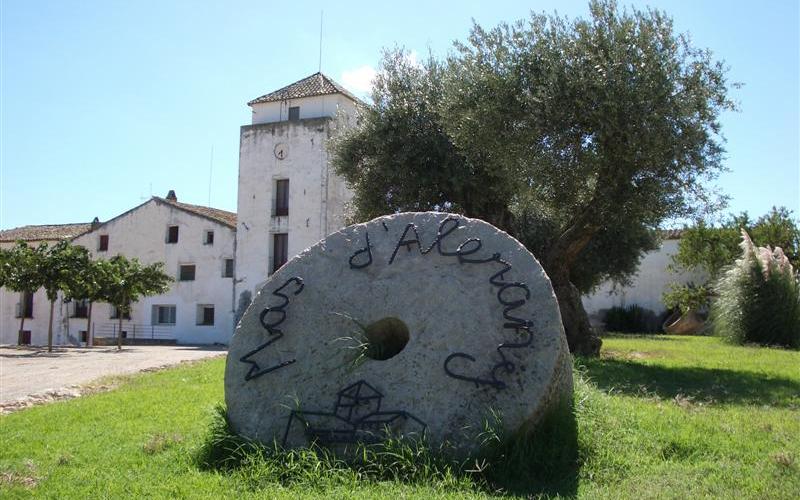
(133, 331)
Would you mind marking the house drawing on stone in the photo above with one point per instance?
(196, 244)
(289, 198)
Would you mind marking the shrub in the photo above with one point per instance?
(758, 299)
(631, 319)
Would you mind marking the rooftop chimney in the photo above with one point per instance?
(171, 195)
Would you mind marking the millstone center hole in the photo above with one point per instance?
(386, 338)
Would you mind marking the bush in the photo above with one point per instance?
(631, 319)
(758, 299)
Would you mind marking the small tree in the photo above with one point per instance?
(62, 266)
(88, 287)
(124, 281)
(23, 274)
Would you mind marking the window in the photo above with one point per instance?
(208, 239)
(280, 247)
(80, 308)
(24, 337)
(84, 336)
(282, 197)
(25, 306)
(186, 272)
(164, 315)
(294, 113)
(115, 313)
(227, 270)
(205, 314)
(103, 245)
(172, 234)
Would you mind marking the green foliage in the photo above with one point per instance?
(24, 267)
(689, 297)
(578, 137)
(757, 302)
(631, 319)
(62, 268)
(5, 265)
(709, 249)
(125, 281)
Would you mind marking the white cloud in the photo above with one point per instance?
(359, 80)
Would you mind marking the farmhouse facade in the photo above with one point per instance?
(195, 243)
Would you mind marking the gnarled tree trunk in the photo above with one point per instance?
(581, 337)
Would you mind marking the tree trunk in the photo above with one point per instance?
(21, 325)
(50, 327)
(119, 331)
(581, 337)
(563, 253)
(89, 340)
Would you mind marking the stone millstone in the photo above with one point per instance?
(409, 324)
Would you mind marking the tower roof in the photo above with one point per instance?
(314, 85)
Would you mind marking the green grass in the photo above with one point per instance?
(654, 417)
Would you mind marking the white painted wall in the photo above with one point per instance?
(310, 107)
(141, 233)
(647, 286)
(317, 197)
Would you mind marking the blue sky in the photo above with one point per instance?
(107, 102)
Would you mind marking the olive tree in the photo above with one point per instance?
(579, 137)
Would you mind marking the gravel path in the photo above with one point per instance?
(31, 375)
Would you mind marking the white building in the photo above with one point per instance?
(289, 197)
(197, 246)
(35, 307)
(647, 286)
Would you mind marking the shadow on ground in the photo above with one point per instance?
(701, 384)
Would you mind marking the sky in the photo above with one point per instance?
(105, 103)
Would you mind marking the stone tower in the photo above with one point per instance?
(288, 198)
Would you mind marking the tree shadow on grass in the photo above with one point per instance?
(701, 384)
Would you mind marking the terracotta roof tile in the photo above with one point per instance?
(216, 214)
(46, 232)
(316, 84)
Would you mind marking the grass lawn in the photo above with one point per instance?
(657, 417)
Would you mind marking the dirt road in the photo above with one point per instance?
(27, 372)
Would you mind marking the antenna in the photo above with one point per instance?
(210, 171)
(320, 40)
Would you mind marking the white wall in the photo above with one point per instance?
(310, 107)
(648, 285)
